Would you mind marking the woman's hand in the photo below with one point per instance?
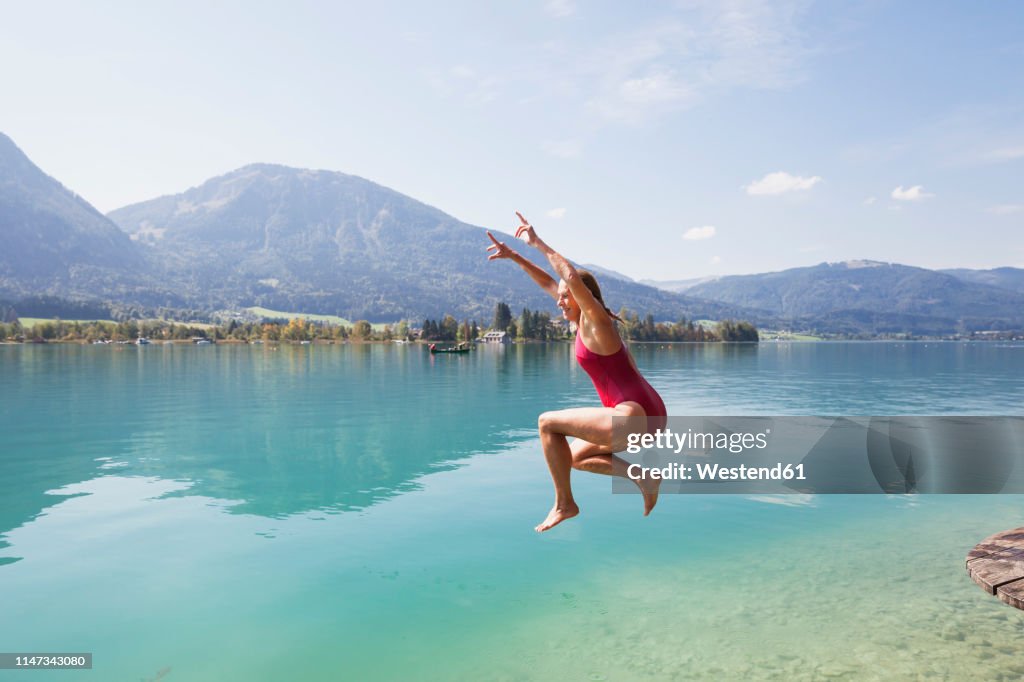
(526, 232)
(543, 279)
(501, 251)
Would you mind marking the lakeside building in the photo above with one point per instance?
(495, 337)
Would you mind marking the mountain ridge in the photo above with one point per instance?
(54, 240)
(298, 239)
(322, 241)
(869, 286)
(1003, 277)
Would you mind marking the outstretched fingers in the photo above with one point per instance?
(499, 248)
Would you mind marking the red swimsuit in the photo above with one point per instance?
(617, 380)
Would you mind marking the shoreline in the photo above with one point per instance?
(377, 342)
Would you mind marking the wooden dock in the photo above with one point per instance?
(997, 565)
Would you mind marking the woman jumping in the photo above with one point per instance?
(601, 353)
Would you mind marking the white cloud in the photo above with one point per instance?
(563, 149)
(640, 67)
(1006, 209)
(869, 201)
(697, 233)
(560, 8)
(715, 260)
(644, 66)
(1006, 154)
(915, 193)
(556, 213)
(753, 44)
(632, 93)
(654, 87)
(780, 183)
(703, 47)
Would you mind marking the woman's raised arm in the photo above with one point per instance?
(591, 307)
(543, 279)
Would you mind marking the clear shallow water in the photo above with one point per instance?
(325, 513)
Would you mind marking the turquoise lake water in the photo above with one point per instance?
(367, 512)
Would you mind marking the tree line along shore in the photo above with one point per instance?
(530, 325)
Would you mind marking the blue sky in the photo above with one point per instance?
(665, 140)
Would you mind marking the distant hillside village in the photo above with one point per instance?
(529, 326)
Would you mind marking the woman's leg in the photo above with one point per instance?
(595, 425)
(599, 459)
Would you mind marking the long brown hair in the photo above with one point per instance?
(587, 277)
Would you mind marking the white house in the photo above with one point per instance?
(495, 337)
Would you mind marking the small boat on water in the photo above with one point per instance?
(142, 341)
(457, 348)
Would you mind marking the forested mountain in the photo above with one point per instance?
(1006, 278)
(315, 241)
(308, 240)
(892, 294)
(54, 242)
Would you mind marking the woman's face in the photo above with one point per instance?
(570, 309)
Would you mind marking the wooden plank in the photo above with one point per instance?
(994, 544)
(996, 564)
(998, 569)
(1012, 594)
(983, 550)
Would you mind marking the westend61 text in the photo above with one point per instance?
(714, 472)
(696, 440)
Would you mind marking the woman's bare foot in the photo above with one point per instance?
(649, 489)
(557, 515)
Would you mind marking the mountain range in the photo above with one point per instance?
(1005, 278)
(319, 241)
(53, 241)
(276, 237)
(844, 293)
